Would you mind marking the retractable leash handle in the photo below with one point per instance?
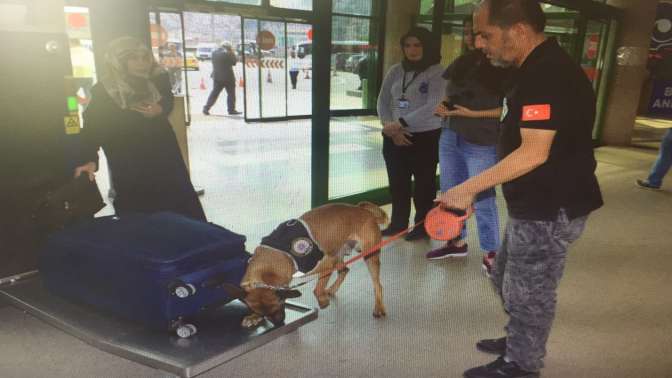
(446, 224)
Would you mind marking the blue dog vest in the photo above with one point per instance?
(294, 238)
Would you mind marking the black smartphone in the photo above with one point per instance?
(449, 105)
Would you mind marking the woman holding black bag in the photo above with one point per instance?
(128, 118)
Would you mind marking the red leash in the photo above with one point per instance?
(376, 248)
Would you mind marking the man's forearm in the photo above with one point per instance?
(489, 113)
(518, 163)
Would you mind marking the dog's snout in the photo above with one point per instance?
(278, 318)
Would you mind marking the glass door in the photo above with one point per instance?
(592, 57)
(169, 49)
(277, 67)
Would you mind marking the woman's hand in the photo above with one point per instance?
(401, 138)
(148, 110)
(461, 111)
(441, 111)
(391, 129)
(88, 168)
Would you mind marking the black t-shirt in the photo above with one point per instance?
(551, 92)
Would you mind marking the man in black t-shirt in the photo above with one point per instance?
(547, 169)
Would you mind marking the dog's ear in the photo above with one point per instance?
(285, 294)
(234, 291)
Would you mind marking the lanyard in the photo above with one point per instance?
(404, 87)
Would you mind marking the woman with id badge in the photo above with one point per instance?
(410, 92)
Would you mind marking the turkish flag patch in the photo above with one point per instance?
(537, 112)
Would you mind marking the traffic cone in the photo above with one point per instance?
(203, 86)
(241, 83)
(307, 74)
(269, 79)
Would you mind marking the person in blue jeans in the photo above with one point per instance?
(471, 112)
(662, 165)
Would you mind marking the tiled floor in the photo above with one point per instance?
(613, 320)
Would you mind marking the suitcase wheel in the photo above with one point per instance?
(185, 331)
(183, 290)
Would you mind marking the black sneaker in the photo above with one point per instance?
(492, 346)
(646, 185)
(234, 112)
(500, 369)
(392, 230)
(206, 111)
(418, 233)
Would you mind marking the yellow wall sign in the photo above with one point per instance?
(71, 124)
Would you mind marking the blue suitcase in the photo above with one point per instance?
(162, 269)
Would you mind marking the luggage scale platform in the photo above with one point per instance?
(219, 338)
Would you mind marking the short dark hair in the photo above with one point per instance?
(506, 13)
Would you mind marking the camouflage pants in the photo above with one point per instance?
(527, 270)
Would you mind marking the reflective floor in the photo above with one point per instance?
(256, 175)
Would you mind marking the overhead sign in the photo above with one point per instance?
(265, 40)
(661, 99)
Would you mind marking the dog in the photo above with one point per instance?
(331, 232)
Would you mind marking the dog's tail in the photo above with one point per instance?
(381, 216)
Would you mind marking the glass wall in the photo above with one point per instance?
(354, 54)
(355, 160)
(242, 2)
(583, 38)
(293, 4)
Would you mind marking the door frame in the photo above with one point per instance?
(157, 12)
(259, 58)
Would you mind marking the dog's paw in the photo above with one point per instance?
(252, 321)
(379, 312)
(323, 301)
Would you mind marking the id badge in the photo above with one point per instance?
(404, 103)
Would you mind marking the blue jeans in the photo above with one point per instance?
(460, 160)
(664, 161)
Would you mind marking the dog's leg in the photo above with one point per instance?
(373, 264)
(320, 292)
(342, 272)
(349, 246)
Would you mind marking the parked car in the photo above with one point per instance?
(204, 51)
(339, 60)
(351, 63)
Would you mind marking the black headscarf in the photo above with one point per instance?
(430, 52)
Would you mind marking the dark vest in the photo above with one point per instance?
(295, 239)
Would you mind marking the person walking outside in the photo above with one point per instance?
(223, 61)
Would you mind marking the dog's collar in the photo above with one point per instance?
(296, 266)
(262, 285)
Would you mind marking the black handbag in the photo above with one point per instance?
(75, 200)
